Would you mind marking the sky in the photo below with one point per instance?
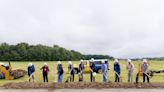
(120, 28)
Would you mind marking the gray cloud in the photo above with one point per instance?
(121, 28)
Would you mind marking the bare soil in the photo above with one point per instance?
(81, 85)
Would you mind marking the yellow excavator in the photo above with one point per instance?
(7, 73)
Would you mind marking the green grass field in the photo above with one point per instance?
(154, 65)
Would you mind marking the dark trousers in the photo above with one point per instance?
(145, 76)
(117, 77)
(72, 77)
(92, 78)
(45, 77)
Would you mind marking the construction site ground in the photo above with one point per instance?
(81, 85)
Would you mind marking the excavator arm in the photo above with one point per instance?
(152, 72)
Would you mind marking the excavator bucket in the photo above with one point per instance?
(18, 73)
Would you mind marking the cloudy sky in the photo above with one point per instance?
(121, 28)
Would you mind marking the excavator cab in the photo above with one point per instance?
(9, 74)
(6, 66)
(5, 70)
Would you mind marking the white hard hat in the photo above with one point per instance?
(81, 60)
(94, 74)
(116, 60)
(129, 60)
(59, 62)
(30, 64)
(103, 61)
(92, 59)
(45, 63)
(69, 62)
(145, 60)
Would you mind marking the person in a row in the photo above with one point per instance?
(145, 70)
(71, 71)
(81, 70)
(117, 70)
(92, 71)
(31, 71)
(45, 70)
(60, 72)
(130, 68)
(105, 68)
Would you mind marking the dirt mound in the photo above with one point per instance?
(74, 85)
(18, 73)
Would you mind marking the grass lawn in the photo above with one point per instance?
(154, 65)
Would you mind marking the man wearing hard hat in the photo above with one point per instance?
(60, 72)
(145, 70)
(117, 70)
(104, 68)
(92, 70)
(71, 71)
(81, 69)
(31, 70)
(130, 68)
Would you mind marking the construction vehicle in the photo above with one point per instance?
(150, 73)
(86, 67)
(7, 73)
(97, 62)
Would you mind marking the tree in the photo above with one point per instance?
(26, 52)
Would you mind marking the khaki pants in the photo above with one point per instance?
(130, 76)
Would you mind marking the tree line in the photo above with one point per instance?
(25, 52)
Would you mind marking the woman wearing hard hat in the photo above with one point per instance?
(45, 70)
